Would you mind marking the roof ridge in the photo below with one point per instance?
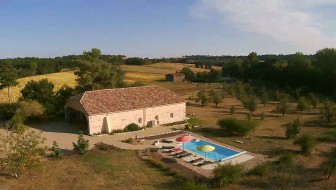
(118, 99)
(122, 88)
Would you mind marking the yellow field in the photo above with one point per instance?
(59, 79)
(148, 74)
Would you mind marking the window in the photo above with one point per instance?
(157, 117)
(171, 115)
(140, 120)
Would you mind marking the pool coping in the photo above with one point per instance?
(238, 152)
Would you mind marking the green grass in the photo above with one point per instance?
(124, 168)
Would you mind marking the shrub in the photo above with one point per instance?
(329, 165)
(20, 151)
(192, 185)
(82, 145)
(56, 153)
(227, 174)
(262, 116)
(7, 111)
(260, 170)
(233, 126)
(293, 129)
(307, 144)
(286, 160)
(188, 126)
(129, 140)
(132, 127)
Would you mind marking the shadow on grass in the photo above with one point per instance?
(319, 123)
(272, 137)
(194, 104)
(212, 132)
(280, 151)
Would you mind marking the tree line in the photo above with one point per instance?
(309, 74)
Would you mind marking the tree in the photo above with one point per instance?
(283, 106)
(61, 97)
(239, 90)
(8, 78)
(329, 164)
(250, 103)
(29, 108)
(307, 144)
(302, 104)
(328, 111)
(92, 55)
(293, 129)
(226, 174)
(188, 73)
(95, 73)
(285, 167)
(42, 91)
(263, 96)
(214, 75)
(232, 110)
(233, 126)
(215, 97)
(20, 151)
(56, 153)
(313, 100)
(202, 97)
(82, 145)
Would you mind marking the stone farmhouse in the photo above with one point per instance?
(175, 77)
(102, 111)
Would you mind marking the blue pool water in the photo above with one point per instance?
(220, 153)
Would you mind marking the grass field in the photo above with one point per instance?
(148, 74)
(116, 170)
(269, 138)
(59, 79)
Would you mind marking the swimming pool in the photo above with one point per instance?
(219, 154)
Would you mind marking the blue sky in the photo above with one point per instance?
(164, 28)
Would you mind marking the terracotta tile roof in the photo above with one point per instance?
(121, 99)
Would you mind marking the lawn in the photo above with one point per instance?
(115, 170)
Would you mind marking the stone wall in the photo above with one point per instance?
(166, 114)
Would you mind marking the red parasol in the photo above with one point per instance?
(184, 139)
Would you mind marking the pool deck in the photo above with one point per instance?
(249, 160)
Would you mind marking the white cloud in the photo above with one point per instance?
(292, 22)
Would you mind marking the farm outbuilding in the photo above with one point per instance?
(175, 77)
(102, 111)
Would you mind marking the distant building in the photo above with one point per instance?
(175, 77)
(102, 111)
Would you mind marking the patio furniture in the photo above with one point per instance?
(196, 160)
(179, 153)
(204, 163)
(167, 141)
(168, 147)
(184, 155)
